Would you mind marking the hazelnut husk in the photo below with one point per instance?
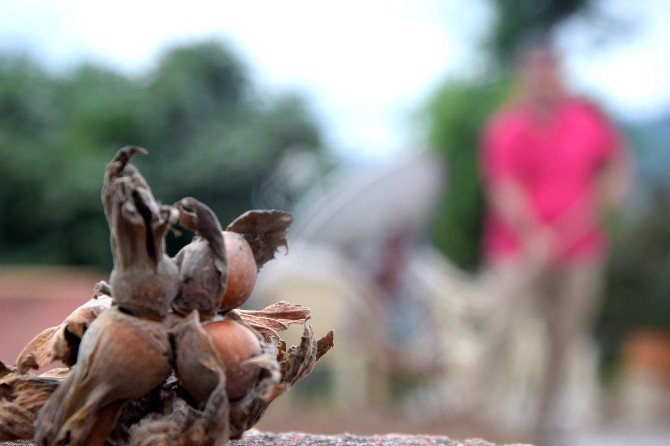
(21, 397)
(143, 369)
(242, 271)
(202, 263)
(265, 231)
(144, 280)
(121, 357)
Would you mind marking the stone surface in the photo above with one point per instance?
(256, 438)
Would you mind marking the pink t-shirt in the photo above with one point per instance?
(557, 165)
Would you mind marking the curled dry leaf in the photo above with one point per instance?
(15, 422)
(274, 318)
(21, 397)
(265, 231)
(31, 392)
(324, 344)
(298, 361)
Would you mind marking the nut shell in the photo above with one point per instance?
(242, 271)
(235, 343)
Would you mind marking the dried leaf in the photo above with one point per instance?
(265, 231)
(276, 317)
(31, 392)
(16, 423)
(21, 397)
(300, 358)
(324, 344)
(58, 373)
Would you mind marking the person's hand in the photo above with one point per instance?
(541, 247)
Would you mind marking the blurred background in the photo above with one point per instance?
(363, 119)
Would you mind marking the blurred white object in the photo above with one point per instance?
(336, 230)
(363, 208)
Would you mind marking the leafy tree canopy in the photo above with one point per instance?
(211, 133)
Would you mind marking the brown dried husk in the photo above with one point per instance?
(201, 263)
(121, 357)
(141, 375)
(144, 279)
(21, 397)
(168, 418)
(265, 231)
(178, 423)
(274, 318)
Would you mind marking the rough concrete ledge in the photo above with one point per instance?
(257, 438)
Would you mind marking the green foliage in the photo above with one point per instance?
(211, 134)
(638, 279)
(639, 268)
(455, 117)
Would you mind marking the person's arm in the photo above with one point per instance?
(510, 203)
(507, 199)
(616, 178)
(614, 183)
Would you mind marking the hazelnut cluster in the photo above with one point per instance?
(162, 355)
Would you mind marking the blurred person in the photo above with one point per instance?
(403, 357)
(553, 166)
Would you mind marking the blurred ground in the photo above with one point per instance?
(612, 436)
(370, 421)
(261, 439)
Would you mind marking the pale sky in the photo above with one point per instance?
(364, 65)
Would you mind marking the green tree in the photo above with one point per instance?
(211, 133)
(455, 115)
